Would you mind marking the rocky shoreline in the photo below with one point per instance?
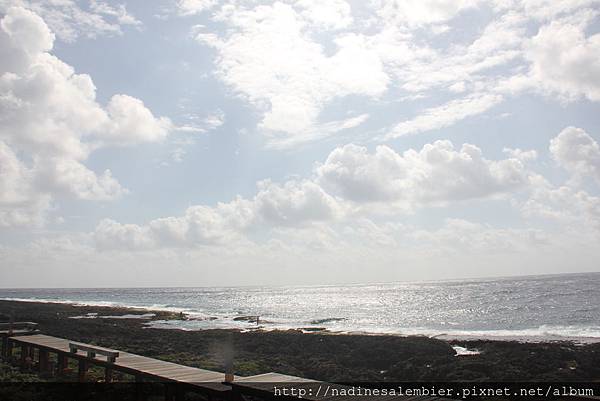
(321, 356)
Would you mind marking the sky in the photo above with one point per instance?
(208, 142)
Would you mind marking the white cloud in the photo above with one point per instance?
(71, 177)
(565, 61)
(446, 114)
(436, 174)
(69, 20)
(459, 236)
(214, 120)
(295, 203)
(291, 204)
(575, 150)
(545, 10)
(576, 211)
(202, 225)
(130, 122)
(417, 12)
(51, 122)
(519, 154)
(119, 12)
(282, 141)
(20, 203)
(112, 235)
(352, 182)
(193, 7)
(333, 14)
(270, 59)
(291, 59)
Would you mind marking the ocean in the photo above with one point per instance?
(551, 307)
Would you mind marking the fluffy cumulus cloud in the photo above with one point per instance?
(569, 205)
(350, 183)
(436, 173)
(577, 151)
(293, 204)
(51, 122)
(565, 60)
(20, 203)
(574, 210)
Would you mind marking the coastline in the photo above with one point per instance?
(174, 314)
(318, 355)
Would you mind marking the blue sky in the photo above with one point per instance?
(205, 142)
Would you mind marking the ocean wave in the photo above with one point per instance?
(541, 333)
(328, 320)
(109, 304)
(549, 332)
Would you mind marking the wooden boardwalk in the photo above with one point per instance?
(267, 386)
(143, 368)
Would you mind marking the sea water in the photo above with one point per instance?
(551, 307)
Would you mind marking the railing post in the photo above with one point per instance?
(4, 347)
(140, 394)
(9, 351)
(83, 367)
(179, 393)
(168, 391)
(24, 355)
(63, 363)
(108, 373)
(43, 365)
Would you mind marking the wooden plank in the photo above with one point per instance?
(141, 363)
(200, 380)
(153, 368)
(130, 363)
(164, 372)
(273, 377)
(198, 376)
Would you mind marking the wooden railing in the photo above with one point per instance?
(111, 355)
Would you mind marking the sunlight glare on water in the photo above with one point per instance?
(543, 306)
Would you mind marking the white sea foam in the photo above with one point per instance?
(462, 351)
(126, 316)
(542, 333)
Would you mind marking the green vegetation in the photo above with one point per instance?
(10, 374)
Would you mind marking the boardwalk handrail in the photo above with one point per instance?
(111, 355)
(143, 368)
(18, 325)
